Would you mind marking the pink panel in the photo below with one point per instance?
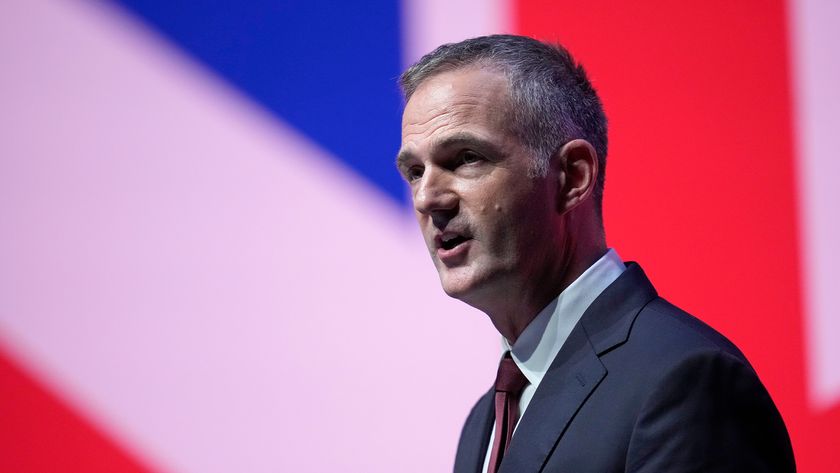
(202, 282)
(816, 44)
(429, 23)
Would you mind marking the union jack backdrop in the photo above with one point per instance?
(208, 262)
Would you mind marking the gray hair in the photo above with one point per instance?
(552, 100)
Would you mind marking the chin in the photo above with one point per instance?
(465, 288)
(455, 287)
(455, 291)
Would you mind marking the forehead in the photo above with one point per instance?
(464, 100)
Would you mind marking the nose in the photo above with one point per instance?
(434, 193)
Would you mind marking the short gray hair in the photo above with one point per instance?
(552, 100)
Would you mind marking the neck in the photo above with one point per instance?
(518, 306)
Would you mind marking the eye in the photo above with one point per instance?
(470, 157)
(413, 173)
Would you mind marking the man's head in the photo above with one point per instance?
(551, 98)
(506, 211)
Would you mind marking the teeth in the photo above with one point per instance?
(449, 238)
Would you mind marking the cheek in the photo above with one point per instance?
(489, 204)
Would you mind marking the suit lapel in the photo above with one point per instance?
(608, 320)
(577, 370)
(476, 435)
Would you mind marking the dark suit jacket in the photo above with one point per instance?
(639, 386)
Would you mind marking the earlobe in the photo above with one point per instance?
(579, 170)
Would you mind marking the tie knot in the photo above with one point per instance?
(509, 379)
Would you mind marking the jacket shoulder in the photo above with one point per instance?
(667, 329)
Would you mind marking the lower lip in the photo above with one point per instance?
(454, 255)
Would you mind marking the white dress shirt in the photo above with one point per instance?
(539, 343)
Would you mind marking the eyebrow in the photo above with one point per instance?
(459, 139)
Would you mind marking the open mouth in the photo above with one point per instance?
(451, 241)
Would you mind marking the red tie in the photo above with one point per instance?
(509, 384)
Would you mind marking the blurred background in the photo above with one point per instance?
(208, 262)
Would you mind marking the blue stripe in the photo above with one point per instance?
(328, 68)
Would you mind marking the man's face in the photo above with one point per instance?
(492, 230)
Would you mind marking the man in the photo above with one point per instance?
(504, 147)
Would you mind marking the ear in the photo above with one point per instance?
(577, 166)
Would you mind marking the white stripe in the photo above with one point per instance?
(426, 24)
(816, 61)
(199, 280)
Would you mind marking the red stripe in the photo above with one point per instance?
(40, 433)
(700, 182)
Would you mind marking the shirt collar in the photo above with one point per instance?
(539, 343)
